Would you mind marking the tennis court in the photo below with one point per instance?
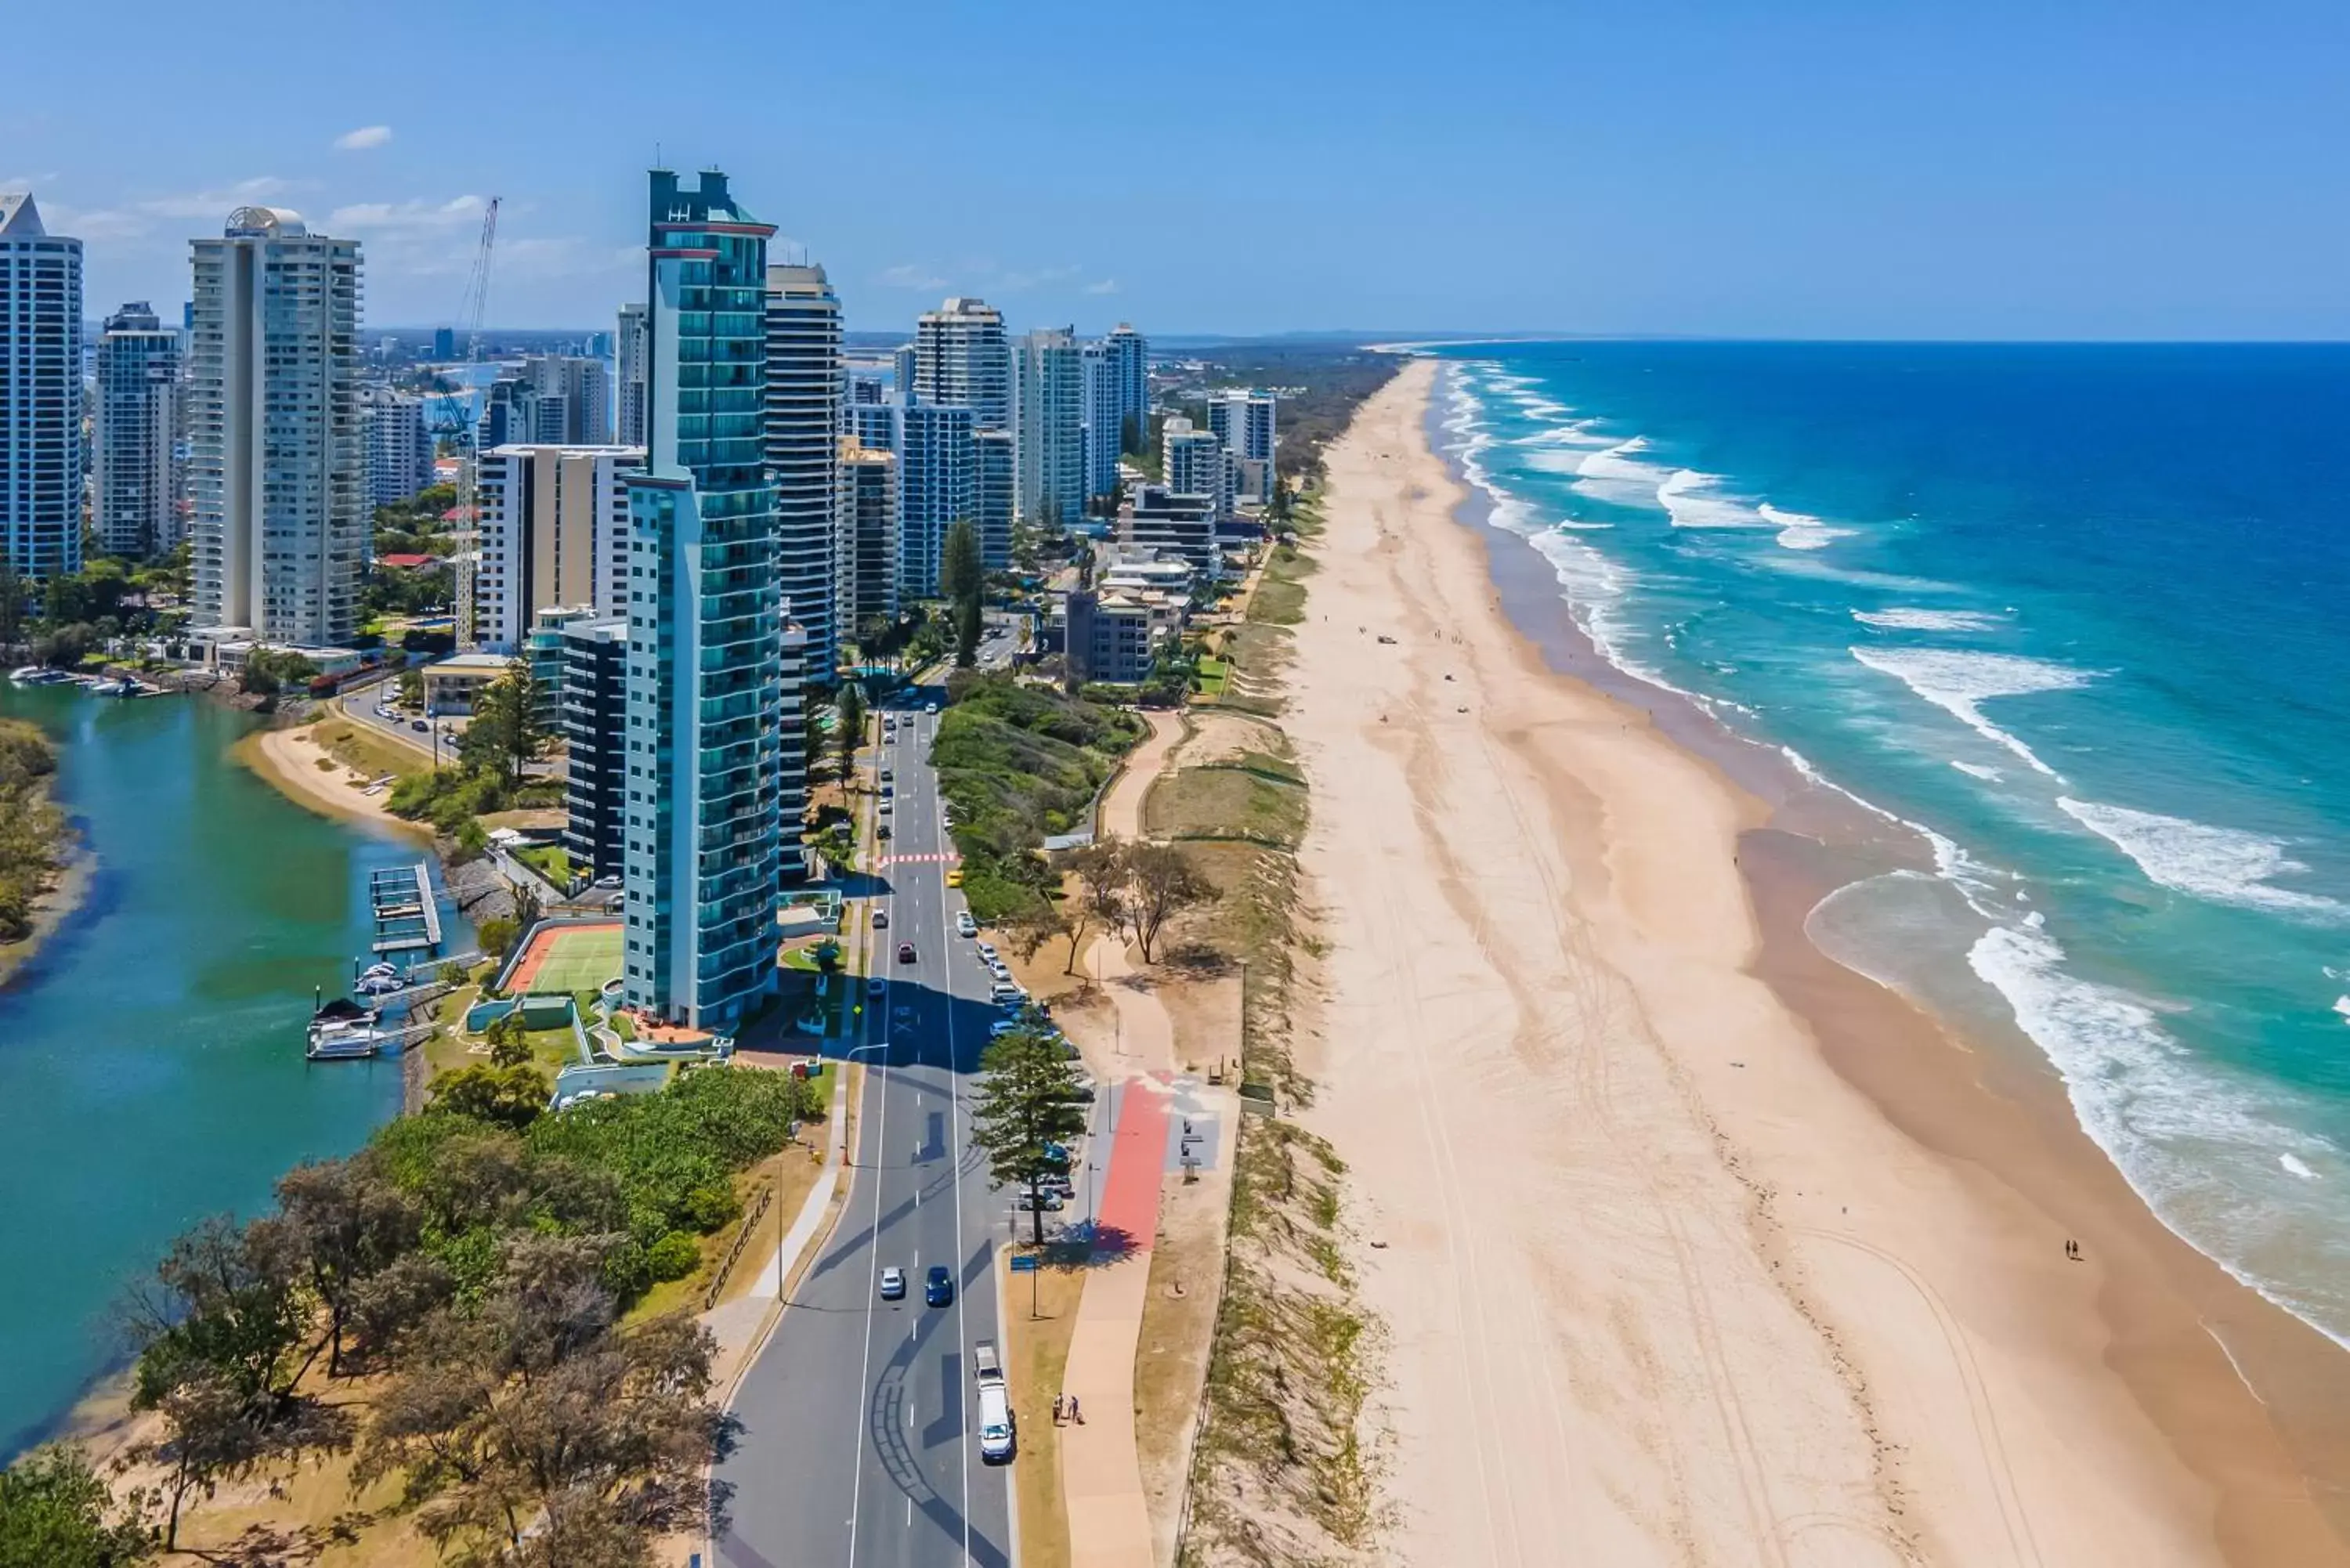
(568, 959)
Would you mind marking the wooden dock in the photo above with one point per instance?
(406, 916)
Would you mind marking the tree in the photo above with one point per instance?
(848, 711)
(960, 564)
(55, 1512)
(508, 1046)
(1030, 926)
(411, 686)
(347, 1222)
(969, 623)
(498, 935)
(505, 733)
(1027, 1103)
(533, 1430)
(505, 1096)
(1100, 870)
(1160, 885)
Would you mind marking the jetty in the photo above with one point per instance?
(406, 916)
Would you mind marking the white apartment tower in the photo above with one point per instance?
(1243, 421)
(1049, 390)
(1129, 355)
(40, 393)
(574, 399)
(961, 358)
(1105, 418)
(801, 424)
(136, 501)
(553, 534)
(398, 446)
(277, 457)
(629, 349)
(1196, 463)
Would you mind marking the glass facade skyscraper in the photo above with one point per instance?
(705, 702)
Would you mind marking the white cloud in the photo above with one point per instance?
(138, 220)
(1107, 286)
(217, 202)
(1015, 282)
(364, 139)
(417, 214)
(906, 274)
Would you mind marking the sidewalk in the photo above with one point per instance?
(1101, 1472)
(742, 1325)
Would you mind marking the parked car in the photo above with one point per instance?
(986, 950)
(888, 773)
(954, 873)
(881, 919)
(887, 789)
(1049, 1202)
(875, 986)
(965, 926)
(893, 1285)
(939, 1288)
(881, 832)
(420, 726)
(884, 808)
(1001, 1027)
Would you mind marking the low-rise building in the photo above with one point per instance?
(452, 684)
(1113, 637)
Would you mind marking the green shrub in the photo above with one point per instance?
(674, 1257)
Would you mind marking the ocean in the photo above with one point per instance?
(2074, 617)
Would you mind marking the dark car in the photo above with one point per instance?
(905, 953)
(419, 726)
(939, 1288)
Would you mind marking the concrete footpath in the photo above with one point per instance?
(742, 1324)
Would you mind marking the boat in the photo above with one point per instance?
(341, 1029)
(37, 675)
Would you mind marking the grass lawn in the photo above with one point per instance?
(1214, 675)
(361, 750)
(1237, 801)
(548, 860)
(1036, 1352)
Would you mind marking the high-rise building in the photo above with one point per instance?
(1130, 356)
(938, 486)
(806, 380)
(901, 373)
(706, 706)
(445, 343)
(1243, 421)
(595, 729)
(1104, 416)
(277, 458)
(554, 532)
(398, 445)
(865, 497)
(1050, 394)
(40, 393)
(1195, 463)
(579, 391)
(135, 507)
(961, 356)
(995, 495)
(629, 356)
(791, 751)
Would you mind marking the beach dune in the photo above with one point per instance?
(1659, 1283)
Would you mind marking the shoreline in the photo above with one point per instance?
(52, 910)
(289, 760)
(1863, 1215)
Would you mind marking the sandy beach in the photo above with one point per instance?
(1690, 1246)
(292, 761)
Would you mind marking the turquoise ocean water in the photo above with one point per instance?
(2079, 616)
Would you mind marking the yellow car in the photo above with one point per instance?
(954, 876)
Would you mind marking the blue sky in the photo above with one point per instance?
(1777, 168)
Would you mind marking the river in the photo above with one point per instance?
(151, 1053)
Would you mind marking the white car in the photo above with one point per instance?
(885, 808)
(965, 926)
(986, 950)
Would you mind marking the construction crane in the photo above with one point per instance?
(454, 421)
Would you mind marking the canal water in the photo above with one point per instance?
(151, 1055)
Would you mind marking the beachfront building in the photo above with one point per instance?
(1243, 421)
(1175, 524)
(40, 393)
(702, 846)
(398, 445)
(866, 494)
(554, 531)
(995, 495)
(594, 726)
(1128, 353)
(454, 681)
(1104, 421)
(791, 752)
(277, 450)
(1195, 462)
(135, 501)
(628, 350)
(800, 427)
(1112, 637)
(961, 356)
(1048, 393)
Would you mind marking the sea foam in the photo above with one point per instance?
(1799, 532)
(2224, 865)
(1689, 499)
(1899, 619)
(1959, 681)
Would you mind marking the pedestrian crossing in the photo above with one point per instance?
(947, 858)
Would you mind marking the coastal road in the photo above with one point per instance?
(861, 1443)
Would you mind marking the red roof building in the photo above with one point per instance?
(407, 562)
